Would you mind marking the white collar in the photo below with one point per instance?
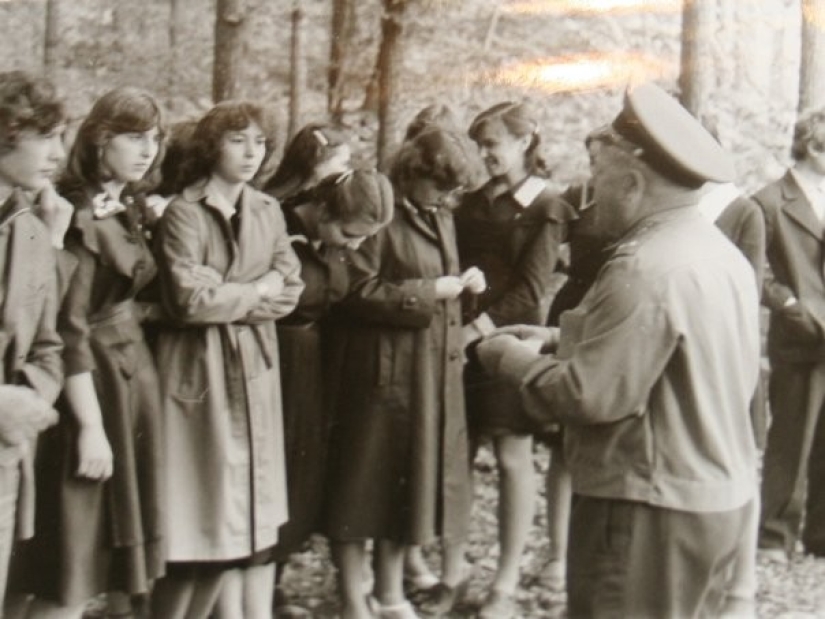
(528, 191)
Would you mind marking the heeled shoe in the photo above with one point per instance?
(402, 610)
(498, 605)
(442, 598)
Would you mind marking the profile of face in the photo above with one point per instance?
(425, 193)
(338, 162)
(346, 235)
(615, 195)
(126, 157)
(816, 156)
(34, 160)
(502, 152)
(241, 153)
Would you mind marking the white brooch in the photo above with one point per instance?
(106, 206)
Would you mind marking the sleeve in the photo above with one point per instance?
(284, 261)
(405, 303)
(533, 276)
(191, 293)
(774, 294)
(608, 372)
(752, 240)
(74, 312)
(43, 369)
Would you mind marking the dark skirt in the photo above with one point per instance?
(92, 537)
(306, 435)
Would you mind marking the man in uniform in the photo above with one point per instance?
(653, 376)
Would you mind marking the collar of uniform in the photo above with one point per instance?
(524, 195)
(678, 210)
(206, 190)
(415, 210)
(717, 199)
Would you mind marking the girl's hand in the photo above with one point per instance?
(94, 453)
(448, 287)
(55, 212)
(155, 205)
(270, 286)
(474, 281)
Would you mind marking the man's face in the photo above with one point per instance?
(34, 160)
(613, 209)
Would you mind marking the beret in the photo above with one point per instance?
(672, 140)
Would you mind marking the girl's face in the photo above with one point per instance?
(426, 194)
(348, 234)
(338, 162)
(34, 160)
(128, 156)
(242, 153)
(503, 153)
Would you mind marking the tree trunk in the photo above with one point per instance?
(52, 38)
(177, 18)
(697, 71)
(341, 29)
(297, 85)
(812, 60)
(230, 27)
(389, 63)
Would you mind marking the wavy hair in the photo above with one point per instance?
(26, 103)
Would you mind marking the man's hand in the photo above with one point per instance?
(55, 212)
(473, 280)
(547, 336)
(23, 413)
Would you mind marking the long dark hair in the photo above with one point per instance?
(122, 110)
(204, 149)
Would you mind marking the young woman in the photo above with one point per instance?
(511, 228)
(404, 404)
(315, 152)
(227, 273)
(100, 524)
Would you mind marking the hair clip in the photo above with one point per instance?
(322, 139)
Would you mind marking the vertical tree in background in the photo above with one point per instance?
(52, 38)
(343, 12)
(812, 59)
(390, 55)
(696, 78)
(298, 70)
(230, 27)
(176, 21)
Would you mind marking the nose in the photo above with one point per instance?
(149, 147)
(58, 150)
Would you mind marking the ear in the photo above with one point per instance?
(633, 186)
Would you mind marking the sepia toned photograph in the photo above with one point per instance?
(398, 309)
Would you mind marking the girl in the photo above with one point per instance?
(329, 222)
(227, 272)
(511, 228)
(100, 506)
(404, 397)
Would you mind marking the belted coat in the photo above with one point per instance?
(219, 373)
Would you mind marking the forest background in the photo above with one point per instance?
(745, 67)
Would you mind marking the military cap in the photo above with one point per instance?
(671, 140)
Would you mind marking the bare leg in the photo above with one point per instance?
(559, 494)
(516, 506)
(186, 597)
(416, 571)
(351, 560)
(229, 604)
(258, 591)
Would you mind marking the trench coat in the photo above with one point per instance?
(399, 464)
(219, 373)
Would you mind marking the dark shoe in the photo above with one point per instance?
(498, 605)
(442, 598)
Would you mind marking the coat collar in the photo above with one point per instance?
(796, 205)
(22, 248)
(416, 219)
(524, 194)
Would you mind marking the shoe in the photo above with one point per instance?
(554, 575)
(772, 555)
(442, 598)
(402, 610)
(420, 582)
(498, 605)
(291, 611)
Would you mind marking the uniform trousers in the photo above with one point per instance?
(631, 559)
(793, 474)
(9, 486)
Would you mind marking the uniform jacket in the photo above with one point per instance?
(655, 371)
(219, 373)
(795, 245)
(401, 469)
